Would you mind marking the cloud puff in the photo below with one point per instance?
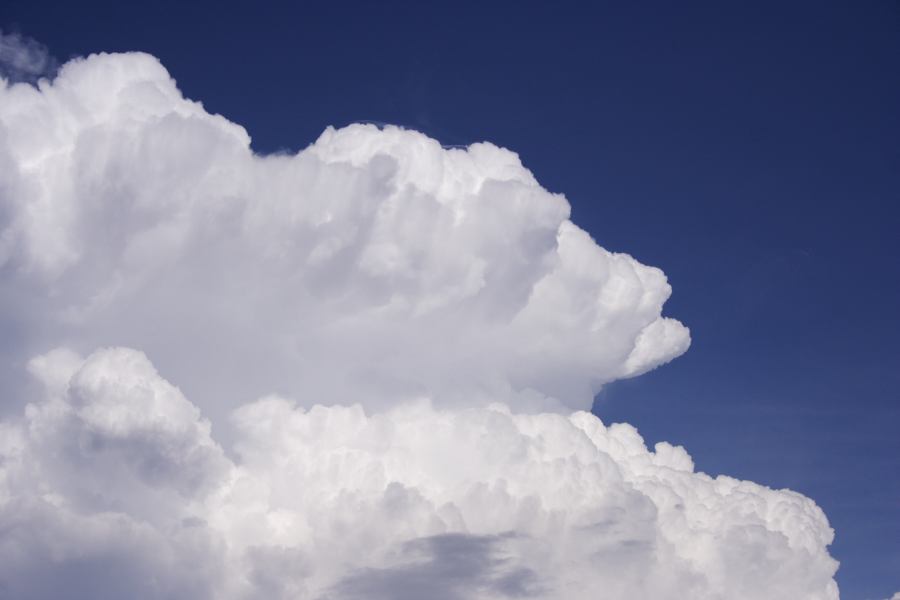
(130, 216)
(23, 59)
(116, 468)
(418, 324)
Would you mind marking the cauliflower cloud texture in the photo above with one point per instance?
(418, 325)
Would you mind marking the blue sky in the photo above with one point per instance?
(750, 151)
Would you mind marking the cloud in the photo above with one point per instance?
(132, 217)
(23, 59)
(418, 325)
(443, 567)
(117, 469)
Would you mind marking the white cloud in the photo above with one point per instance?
(118, 468)
(132, 217)
(419, 305)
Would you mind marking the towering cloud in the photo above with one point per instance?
(373, 266)
(419, 323)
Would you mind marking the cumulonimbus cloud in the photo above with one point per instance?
(418, 322)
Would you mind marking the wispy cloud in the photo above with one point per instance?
(23, 59)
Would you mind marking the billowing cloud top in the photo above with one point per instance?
(404, 311)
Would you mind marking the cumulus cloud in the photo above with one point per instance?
(116, 468)
(132, 217)
(418, 324)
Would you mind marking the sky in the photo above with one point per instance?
(750, 151)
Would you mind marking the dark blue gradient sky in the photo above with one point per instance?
(751, 150)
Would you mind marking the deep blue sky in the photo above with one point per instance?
(750, 150)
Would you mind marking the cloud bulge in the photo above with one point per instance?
(418, 324)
